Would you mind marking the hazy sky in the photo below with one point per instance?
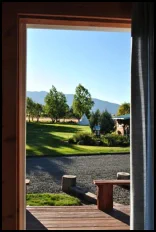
(100, 61)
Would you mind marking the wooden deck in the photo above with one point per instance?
(77, 218)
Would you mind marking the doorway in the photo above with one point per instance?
(22, 62)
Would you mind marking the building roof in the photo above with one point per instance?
(122, 117)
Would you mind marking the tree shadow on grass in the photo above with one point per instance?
(42, 141)
(53, 127)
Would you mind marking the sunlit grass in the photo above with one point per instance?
(51, 139)
(47, 199)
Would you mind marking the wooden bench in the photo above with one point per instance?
(27, 182)
(105, 192)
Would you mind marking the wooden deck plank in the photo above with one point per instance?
(89, 228)
(71, 215)
(87, 207)
(113, 182)
(85, 224)
(64, 209)
(77, 218)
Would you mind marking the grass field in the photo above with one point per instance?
(51, 139)
(47, 199)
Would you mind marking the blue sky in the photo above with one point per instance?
(100, 61)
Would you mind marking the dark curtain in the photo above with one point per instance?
(142, 117)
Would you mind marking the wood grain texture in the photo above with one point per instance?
(77, 218)
(105, 192)
(112, 182)
(13, 138)
(105, 197)
(85, 9)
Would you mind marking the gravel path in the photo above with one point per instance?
(45, 173)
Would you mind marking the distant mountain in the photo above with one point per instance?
(99, 104)
(37, 96)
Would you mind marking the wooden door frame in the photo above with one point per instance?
(16, 213)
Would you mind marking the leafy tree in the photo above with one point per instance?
(33, 112)
(95, 119)
(82, 102)
(30, 107)
(124, 109)
(38, 109)
(70, 113)
(44, 112)
(55, 104)
(106, 122)
(66, 112)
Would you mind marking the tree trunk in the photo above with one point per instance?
(29, 118)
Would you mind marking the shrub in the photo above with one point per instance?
(71, 141)
(109, 140)
(81, 142)
(115, 140)
(83, 139)
(68, 122)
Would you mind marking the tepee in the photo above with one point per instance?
(84, 121)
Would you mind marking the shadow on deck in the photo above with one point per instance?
(77, 218)
(32, 223)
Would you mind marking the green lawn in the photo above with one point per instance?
(51, 139)
(47, 199)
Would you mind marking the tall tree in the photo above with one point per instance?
(70, 113)
(33, 112)
(82, 102)
(106, 122)
(95, 119)
(30, 107)
(124, 109)
(38, 110)
(55, 104)
(44, 112)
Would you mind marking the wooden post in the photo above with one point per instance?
(105, 197)
(27, 182)
(123, 176)
(105, 192)
(68, 181)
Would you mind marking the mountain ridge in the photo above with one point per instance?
(38, 96)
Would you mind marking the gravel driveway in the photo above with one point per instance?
(45, 173)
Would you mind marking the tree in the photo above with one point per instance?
(33, 111)
(44, 112)
(66, 112)
(124, 109)
(70, 113)
(95, 119)
(30, 107)
(82, 102)
(106, 122)
(55, 104)
(38, 109)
